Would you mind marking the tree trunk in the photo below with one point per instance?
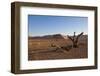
(75, 39)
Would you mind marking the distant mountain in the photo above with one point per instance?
(54, 36)
(57, 36)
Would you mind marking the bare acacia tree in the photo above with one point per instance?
(75, 39)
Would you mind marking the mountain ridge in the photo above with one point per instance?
(55, 36)
(50, 36)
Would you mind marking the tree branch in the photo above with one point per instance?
(70, 38)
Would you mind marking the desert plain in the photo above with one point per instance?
(56, 46)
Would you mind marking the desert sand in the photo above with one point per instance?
(56, 46)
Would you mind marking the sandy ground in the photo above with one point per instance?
(45, 49)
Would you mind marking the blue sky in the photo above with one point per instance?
(39, 25)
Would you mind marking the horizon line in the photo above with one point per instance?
(55, 34)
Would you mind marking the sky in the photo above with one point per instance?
(40, 25)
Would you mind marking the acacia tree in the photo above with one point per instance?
(75, 39)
